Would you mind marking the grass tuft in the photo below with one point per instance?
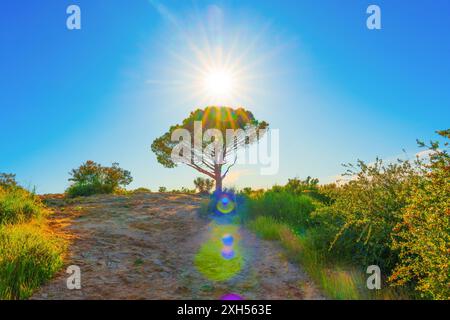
(29, 255)
(18, 205)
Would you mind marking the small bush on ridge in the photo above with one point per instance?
(92, 178)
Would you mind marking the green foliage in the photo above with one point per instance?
(18, 205)
(366, 210)
(423, 234)
(282, 206)
(92, 178)
(247, 191)
(393, 215)
(266, 228)
(29, 256)
(204, 209)
(204, 185)
(182, 190)
(7, 180)
(187, 190)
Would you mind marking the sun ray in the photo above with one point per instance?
(220, 63)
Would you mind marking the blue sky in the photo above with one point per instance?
(336, 90)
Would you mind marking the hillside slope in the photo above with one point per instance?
(143, 246)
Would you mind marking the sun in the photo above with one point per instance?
(219, 83)
(211, 61)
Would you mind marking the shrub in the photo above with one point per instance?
(187, 190)
(203, 185)
(91, 178)
(423, 234)
(247, 191)
(7, 180)
(366, 210)
(162, 189)
(18, 205)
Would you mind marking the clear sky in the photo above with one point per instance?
(335, 90)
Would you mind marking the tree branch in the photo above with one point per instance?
(228, 169)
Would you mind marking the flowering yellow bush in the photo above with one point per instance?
(423, 236)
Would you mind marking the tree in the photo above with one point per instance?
(239, 126)
(204, 185)
(8, 180)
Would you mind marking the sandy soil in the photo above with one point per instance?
(143, 246)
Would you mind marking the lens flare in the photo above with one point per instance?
(220, 258)
(227, 239)
(225, 205)
(227, 252)
(231, 296)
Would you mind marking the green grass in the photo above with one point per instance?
(29, 252)
(138, 262)
(18, 205)
(283, 206)
(266, 228)
(209, 260)
(29, 256)
(336, 282)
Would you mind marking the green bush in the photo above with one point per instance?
(423, 234)
(92, 178)
(204, 185)
(87, 189)
(393, 215)
(366, 210)
(7, 180)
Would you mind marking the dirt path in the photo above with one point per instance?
(143, 247)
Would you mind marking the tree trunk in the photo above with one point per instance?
(218, 185)
(218, 179)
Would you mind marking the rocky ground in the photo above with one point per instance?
(142, 246)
